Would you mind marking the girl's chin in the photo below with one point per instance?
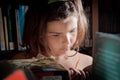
(61, 53)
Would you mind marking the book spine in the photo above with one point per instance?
(14, 28)
(20, 20)
(17, 27)
(2, 40)
(10, 36)
(5, 26)
(6, 32)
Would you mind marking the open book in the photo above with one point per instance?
(43, 68)
(106, 62)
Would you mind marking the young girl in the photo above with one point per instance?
(56, 30)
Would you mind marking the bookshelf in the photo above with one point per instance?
(11, 27)
(12, 22)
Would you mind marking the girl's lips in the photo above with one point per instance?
(65, 49)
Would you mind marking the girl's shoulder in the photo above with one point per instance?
(24, 55)
(19, 56)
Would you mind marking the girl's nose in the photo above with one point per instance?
(66, 39)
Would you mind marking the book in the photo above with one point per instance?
(14, 16)
(2, 39)
(20, 17)
(17, 28)
(6, 32)
(106, 57)
(9, 27)
(4, 17)
(43, 68)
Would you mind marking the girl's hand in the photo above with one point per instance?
(77, 74)
(85, 74)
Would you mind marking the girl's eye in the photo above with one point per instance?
(72, 31)
(55, 35)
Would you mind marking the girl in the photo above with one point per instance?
(56, 30)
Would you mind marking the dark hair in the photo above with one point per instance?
(37, 18)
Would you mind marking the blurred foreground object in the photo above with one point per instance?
(42, 68)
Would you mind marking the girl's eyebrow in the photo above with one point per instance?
(55, 33)
(61, 32)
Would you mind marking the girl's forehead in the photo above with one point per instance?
(67, 23)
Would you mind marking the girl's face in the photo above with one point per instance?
(61, 35)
